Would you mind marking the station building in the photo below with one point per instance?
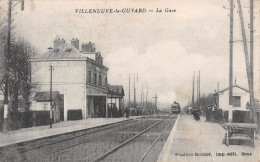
(79, 76)
(239, 110)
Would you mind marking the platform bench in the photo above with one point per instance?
(237, 132)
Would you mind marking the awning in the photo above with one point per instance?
(115, 91)
(45, 96)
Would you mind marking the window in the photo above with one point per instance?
(100, 80)
(236, 100)
(89, 77)
(105, 81)
(95, 78)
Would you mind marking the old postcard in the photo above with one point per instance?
(127, 80)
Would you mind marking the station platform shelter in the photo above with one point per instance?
(115, 101)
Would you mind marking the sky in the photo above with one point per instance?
(165, 49)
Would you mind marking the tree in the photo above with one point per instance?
(19, 71)
(20, 75)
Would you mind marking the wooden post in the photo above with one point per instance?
(231, 53)
(227, 136)
(106, 108)
(252, 41)
(51, 112)
(248, 68)
(129, 97)
(193, 90)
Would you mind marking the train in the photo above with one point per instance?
(176, 109)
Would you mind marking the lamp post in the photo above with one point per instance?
(51, 109)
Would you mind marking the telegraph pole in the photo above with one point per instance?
(248, 67)
(146, 98)
(142, 99)
(134, 94)
(152, 105)
(143, 103)
(193, 90)
(252, 41)
(199, 85)
(231, 53)
(155, 102)
(51, 108)
(129, 96)
(7, 55)
(197, 89)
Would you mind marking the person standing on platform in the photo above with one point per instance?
(127, 112)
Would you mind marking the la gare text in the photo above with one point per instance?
(125, 10)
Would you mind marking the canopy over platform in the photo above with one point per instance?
(115, 91)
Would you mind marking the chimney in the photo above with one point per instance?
(93, 49)
(88, 47)
(75, 43)
(58, 42)
(83, 47)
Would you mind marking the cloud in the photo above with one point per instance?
(167, 69)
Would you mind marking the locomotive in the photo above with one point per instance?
(176, 108)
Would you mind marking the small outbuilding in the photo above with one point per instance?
(42, 102)
(115, 99)
(239, 110)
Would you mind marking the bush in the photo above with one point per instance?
(75, 115)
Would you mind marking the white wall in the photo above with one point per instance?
(68, 77)
(224, 99)
(37, 106)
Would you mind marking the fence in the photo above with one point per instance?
(25, 119)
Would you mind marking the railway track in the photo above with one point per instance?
(87, 145)
(32, 145)
(120, 153)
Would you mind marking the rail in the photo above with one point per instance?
(127, 141)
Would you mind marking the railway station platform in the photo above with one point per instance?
(192, 140)
(27, 134)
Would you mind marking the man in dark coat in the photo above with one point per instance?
(127, 112)
(196, 114)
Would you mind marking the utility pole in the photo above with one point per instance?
(51, 108)
(252, 41)
(248, 67)
(143, 103)
(152, 105)
(218, 87)
(199, 85)
(7, 55)
(146, 99)
(193, 89)
(197, 89)
(142, 99)
(155, 102)
(129, 96)
(134, 95)
(231, 53)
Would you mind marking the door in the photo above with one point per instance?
(62, 107)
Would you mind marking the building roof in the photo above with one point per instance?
(45, 96)
(223, 90)
(63, 51)
(116, 90)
